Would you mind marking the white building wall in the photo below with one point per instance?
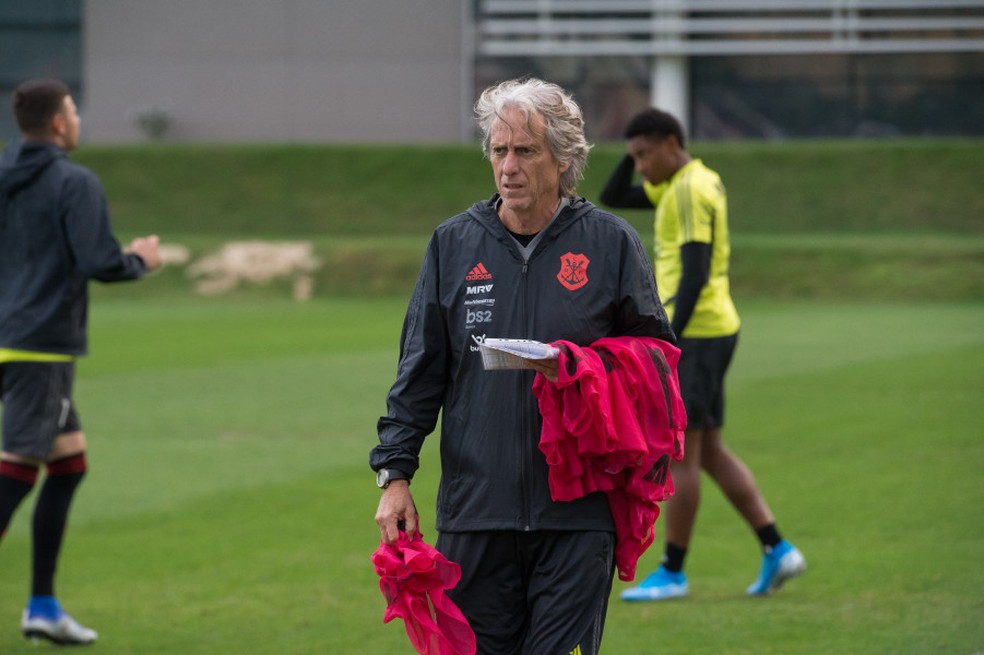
(276, 70)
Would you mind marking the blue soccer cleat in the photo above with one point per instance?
(45, 619)
(659, 585)
(779, 564)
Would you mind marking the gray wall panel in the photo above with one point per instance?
(275, 70)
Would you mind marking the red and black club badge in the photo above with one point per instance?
(573, 271)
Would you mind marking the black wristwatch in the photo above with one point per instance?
(385, 476)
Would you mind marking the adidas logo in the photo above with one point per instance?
(478, 273)
(576, 651)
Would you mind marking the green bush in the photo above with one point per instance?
(863, 218)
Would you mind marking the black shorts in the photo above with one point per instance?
(703, 364)
(37, 406)
(533, 593)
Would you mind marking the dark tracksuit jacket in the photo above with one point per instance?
(588, 277)
(55, 235)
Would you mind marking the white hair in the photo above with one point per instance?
(562, 115)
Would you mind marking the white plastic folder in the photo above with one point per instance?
(500, 354)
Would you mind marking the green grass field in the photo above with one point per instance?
(229, 505)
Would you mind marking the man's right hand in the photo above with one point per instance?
(149, 250)
(395, 507)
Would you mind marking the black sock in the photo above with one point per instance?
(16, 481)
(769, 536)
(50, 519)
(673, 558)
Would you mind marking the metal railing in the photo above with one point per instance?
(726, 27)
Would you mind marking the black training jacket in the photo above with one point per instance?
(588, 277)
(55, 235)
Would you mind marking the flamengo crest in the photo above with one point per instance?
(573, 271)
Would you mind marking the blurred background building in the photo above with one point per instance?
(397, 71)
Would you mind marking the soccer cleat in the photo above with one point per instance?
(659, 585)
(64, 630)
(779, 564)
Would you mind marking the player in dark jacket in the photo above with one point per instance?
(55, 236)
(535, 261)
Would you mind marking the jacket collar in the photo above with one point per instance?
(485, 213)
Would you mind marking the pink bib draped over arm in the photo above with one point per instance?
(611, 423)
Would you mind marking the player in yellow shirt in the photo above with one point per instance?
(692, 252)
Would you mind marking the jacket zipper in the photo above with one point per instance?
(524, 404)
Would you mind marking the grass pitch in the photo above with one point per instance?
(229, 506)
